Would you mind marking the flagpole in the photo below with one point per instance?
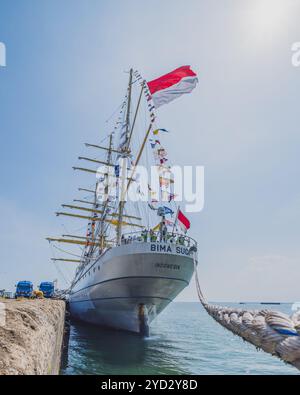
(176, 219)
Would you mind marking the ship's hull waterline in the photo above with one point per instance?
(130, 285)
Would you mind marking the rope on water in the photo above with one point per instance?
(274, 332)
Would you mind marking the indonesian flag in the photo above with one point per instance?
(170, 86)
(184, 223)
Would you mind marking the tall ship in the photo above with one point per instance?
(135, 255)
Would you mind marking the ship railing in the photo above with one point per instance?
(158, 237)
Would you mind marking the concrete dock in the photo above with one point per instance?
(31, 336)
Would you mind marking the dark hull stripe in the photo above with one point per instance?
(122, 297)
(133, 277)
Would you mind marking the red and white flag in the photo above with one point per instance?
(172, 85)
(183, 222)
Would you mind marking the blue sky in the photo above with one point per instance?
(65, 76)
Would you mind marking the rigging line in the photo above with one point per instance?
(57, 268)
(83, 149)
(134, 81)
(147, 161)
(94, 158)
(65, 228)
(69, 253)
(114, 113)
(67, 281)
(135, 115)
(87, 198)
(104, 138)
(121, 114)
(65, 252)
(80, 229)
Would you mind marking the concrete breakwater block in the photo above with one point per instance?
(31, 336)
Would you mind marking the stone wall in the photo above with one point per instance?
(31, 337)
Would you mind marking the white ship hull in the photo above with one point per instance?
(128, 286)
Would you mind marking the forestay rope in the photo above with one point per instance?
(274, 332)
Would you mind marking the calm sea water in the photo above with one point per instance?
(184, 340)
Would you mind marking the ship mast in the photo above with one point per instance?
(106, 194)
(96, 237)
(124, 165)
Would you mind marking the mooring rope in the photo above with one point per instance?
(274, 332)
